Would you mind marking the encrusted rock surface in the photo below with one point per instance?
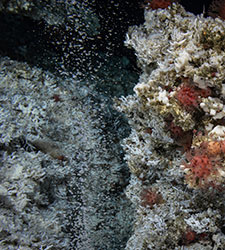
(62, 178)
(175, 151)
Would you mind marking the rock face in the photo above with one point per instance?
(175, 151)
(61, 181)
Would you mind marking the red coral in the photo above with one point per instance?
(204, 163)
(191, 236)
(157, 4)
(188, 97)
(199, 170)
(201, 167)
(150, 197)
(188, 237)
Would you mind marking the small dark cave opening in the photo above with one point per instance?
(23, 39)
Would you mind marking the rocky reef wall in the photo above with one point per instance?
(175, 151)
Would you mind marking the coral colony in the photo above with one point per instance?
(176, 149)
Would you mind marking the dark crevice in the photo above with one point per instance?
(23, 39)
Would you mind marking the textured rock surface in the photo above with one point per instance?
(61, 181)
(177, 137)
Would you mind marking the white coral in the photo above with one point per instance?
(182, 60)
